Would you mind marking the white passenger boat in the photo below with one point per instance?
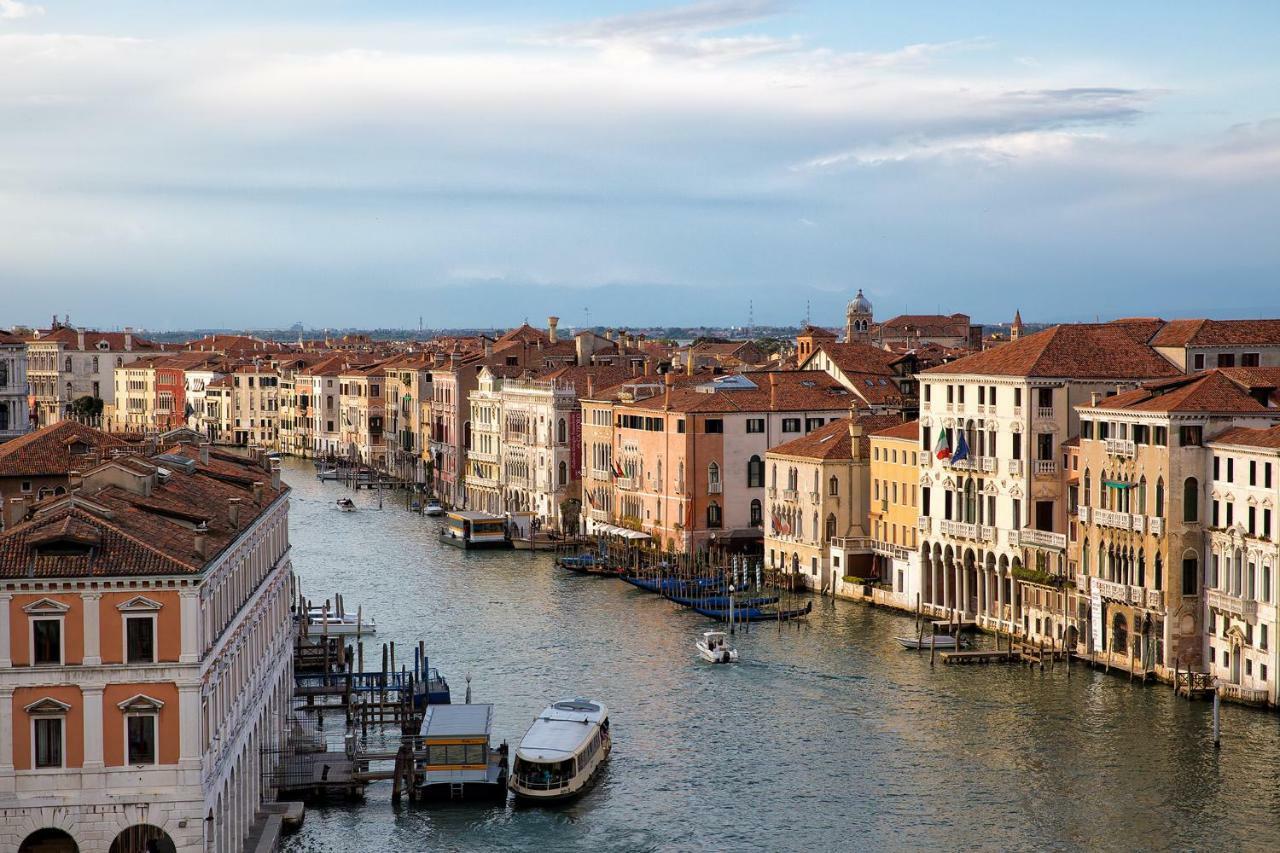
(713, 647)
(938, 641)
(346, 504)
(563, 751)
(433, 508)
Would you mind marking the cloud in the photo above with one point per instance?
(12, 10)
(706, 16)
(993, 149)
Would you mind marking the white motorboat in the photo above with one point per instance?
(937, 641)
(713, 647)
(338, 625)
(433, 508)
(346, 504)
(563, 751)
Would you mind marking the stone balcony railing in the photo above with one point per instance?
(790, 494)
(627, 483)
(964, 530)
(1241, 693)
(1038, 539)
(1155, 599)
(1045, 467)
(1015, 467)
(1112, 590)
(772, 492)
(986, 464)
(1110, 518)
(715, 488)
(1082, 512)
(1082, 582)
(926, 459)
(853, 543)
(1235, 605)
(1156, 525)
(1044, 413)
(924, 523)
(1120, 447)
(888, 549)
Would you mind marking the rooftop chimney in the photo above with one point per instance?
(855, 432)
(275, 475)
(669, 378)
(80, 339)
(204, 454)
(233, 512)
(648, 367)
(257, 491)
(17, 509)
(1094, 398)
(552, 322)
(773, 390)
(688, 362)
(202, 541)
(591, 387)
(488, 348)
(128, 338)
(73, 481)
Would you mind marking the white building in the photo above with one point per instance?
(14, 415)
(65, 364)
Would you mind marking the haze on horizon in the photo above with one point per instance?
(252, 165)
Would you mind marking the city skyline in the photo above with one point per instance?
(657, 163)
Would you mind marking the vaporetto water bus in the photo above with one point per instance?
(563, 752)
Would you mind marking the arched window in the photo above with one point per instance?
(833, 486)
(1088, 489)
(970, 500)
(4, 373)
(713, 515)
(1084, 558)
(1191, 500)
(1142, 496)
(757, 514)
(713, 476)
(773, 476)
(119, 361)
(67, 365)
(95, 364)
(564, 473)
(1190, 568)
(562, 434)
(755, 472)
(831, 526)
(817, 531)
(1160, 498)
(793, 479)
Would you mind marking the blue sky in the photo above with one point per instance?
(342, 163)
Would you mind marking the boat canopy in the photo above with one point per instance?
(562, 730)
(624, 532)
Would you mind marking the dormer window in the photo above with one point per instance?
(103, 345)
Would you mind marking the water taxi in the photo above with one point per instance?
(475, 530)
(563, 752)
(937, 641)
(713, 647)
(433, 508)
(346, 504)
(460, 764)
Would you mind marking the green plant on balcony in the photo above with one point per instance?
(1037, 576)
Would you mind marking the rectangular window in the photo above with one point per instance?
(1017, 445)
(755, 424)
(1230, 513)
(1249, 359)
(810, 424)
(680, 425)
(1253, 473)
(1226, 359)
(713, 425)
(1189, 576)
(1017, 514)
(1086, 429)
(927, 393)
(1197, 361)
(1253, 520)
(46, 641)
(1266, 476)
(1217, 467)
(1017, 398)
(1190, 436)
(925, 433)
(1161, 436)
(1231, 470)
(1215, 513)
(140, 639)
(142, 738)
(790, 424)
(48, 732)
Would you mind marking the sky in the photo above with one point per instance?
(341, 163)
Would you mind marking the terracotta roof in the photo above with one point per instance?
(523, 334)
(1069, 351)
(1212, 391)
(909, 430)
(600, 375)
(120, 533)
(773, 391)
(48, 451)
(70, 338)
(833, 441)
(1209, 333)
(951, 325)
(238, 344)
(1250, 437)
(854, 357)
(7, 339)
(812, 331)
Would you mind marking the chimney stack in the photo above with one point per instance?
(257, 491)
(1094, 398)
(17, 509)
(233, 512)
(128, 338)
(773, 390)
(591, 387)
(74, 481)
(488, 348)
(669, 379)
(855, 432)
(80, 339)
(275, 475)
(204, 454)
(688, 360)
(552, 323)
(648, 367)
(202, 541)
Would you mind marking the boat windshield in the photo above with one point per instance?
(543, 775)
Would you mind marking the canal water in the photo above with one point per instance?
(827, 736)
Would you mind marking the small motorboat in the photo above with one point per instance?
(346, 504)
(433, 508)
(713, 647)
(938, 641)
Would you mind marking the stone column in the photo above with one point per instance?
(946, 584)
(189, 718)
(189, 619)
(982, 591)
(964, 589)
(92, 696)
(6, 654)
(92, 602)
(6, 732)
(999, 597)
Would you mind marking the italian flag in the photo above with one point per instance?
(943, 448)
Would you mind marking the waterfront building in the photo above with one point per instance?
(817, 502)
(1242, 615)
(15, 414)
(146, 664)
(66, 364)
(451, 388)
(322, 412)
(363, 409)
(408, 385)
(35, 466)
(895, 510)
(152, 394)
(993, 509)
(254, 416)
(1143, 509)
(484, 481)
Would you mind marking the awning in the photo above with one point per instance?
(614, 530)
(1116, 484)
(739, 533)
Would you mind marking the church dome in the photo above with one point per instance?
(860, 304)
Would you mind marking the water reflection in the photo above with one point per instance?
(827, 736)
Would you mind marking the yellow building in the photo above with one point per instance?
(895, 509)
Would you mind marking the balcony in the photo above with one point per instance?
(773, 493)
(1082, 583)
(923, 523)
(1044, 413)
(715, 488)
(790, 494)
(1015, 467)
(627, 483)
(1083, 512)
(1233, 605)
(1116, 520)
(888, 549)
(926, 458)
(986, 464)
(1110, 589)
(599, 515)
(1155, 599)
(1039, 539)
(1045, 467)
(1120, 447)
(1156, 525)
(813, 497)
(963, 530)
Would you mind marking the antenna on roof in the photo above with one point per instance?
(751, 317)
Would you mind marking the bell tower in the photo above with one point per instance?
(857, 319)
